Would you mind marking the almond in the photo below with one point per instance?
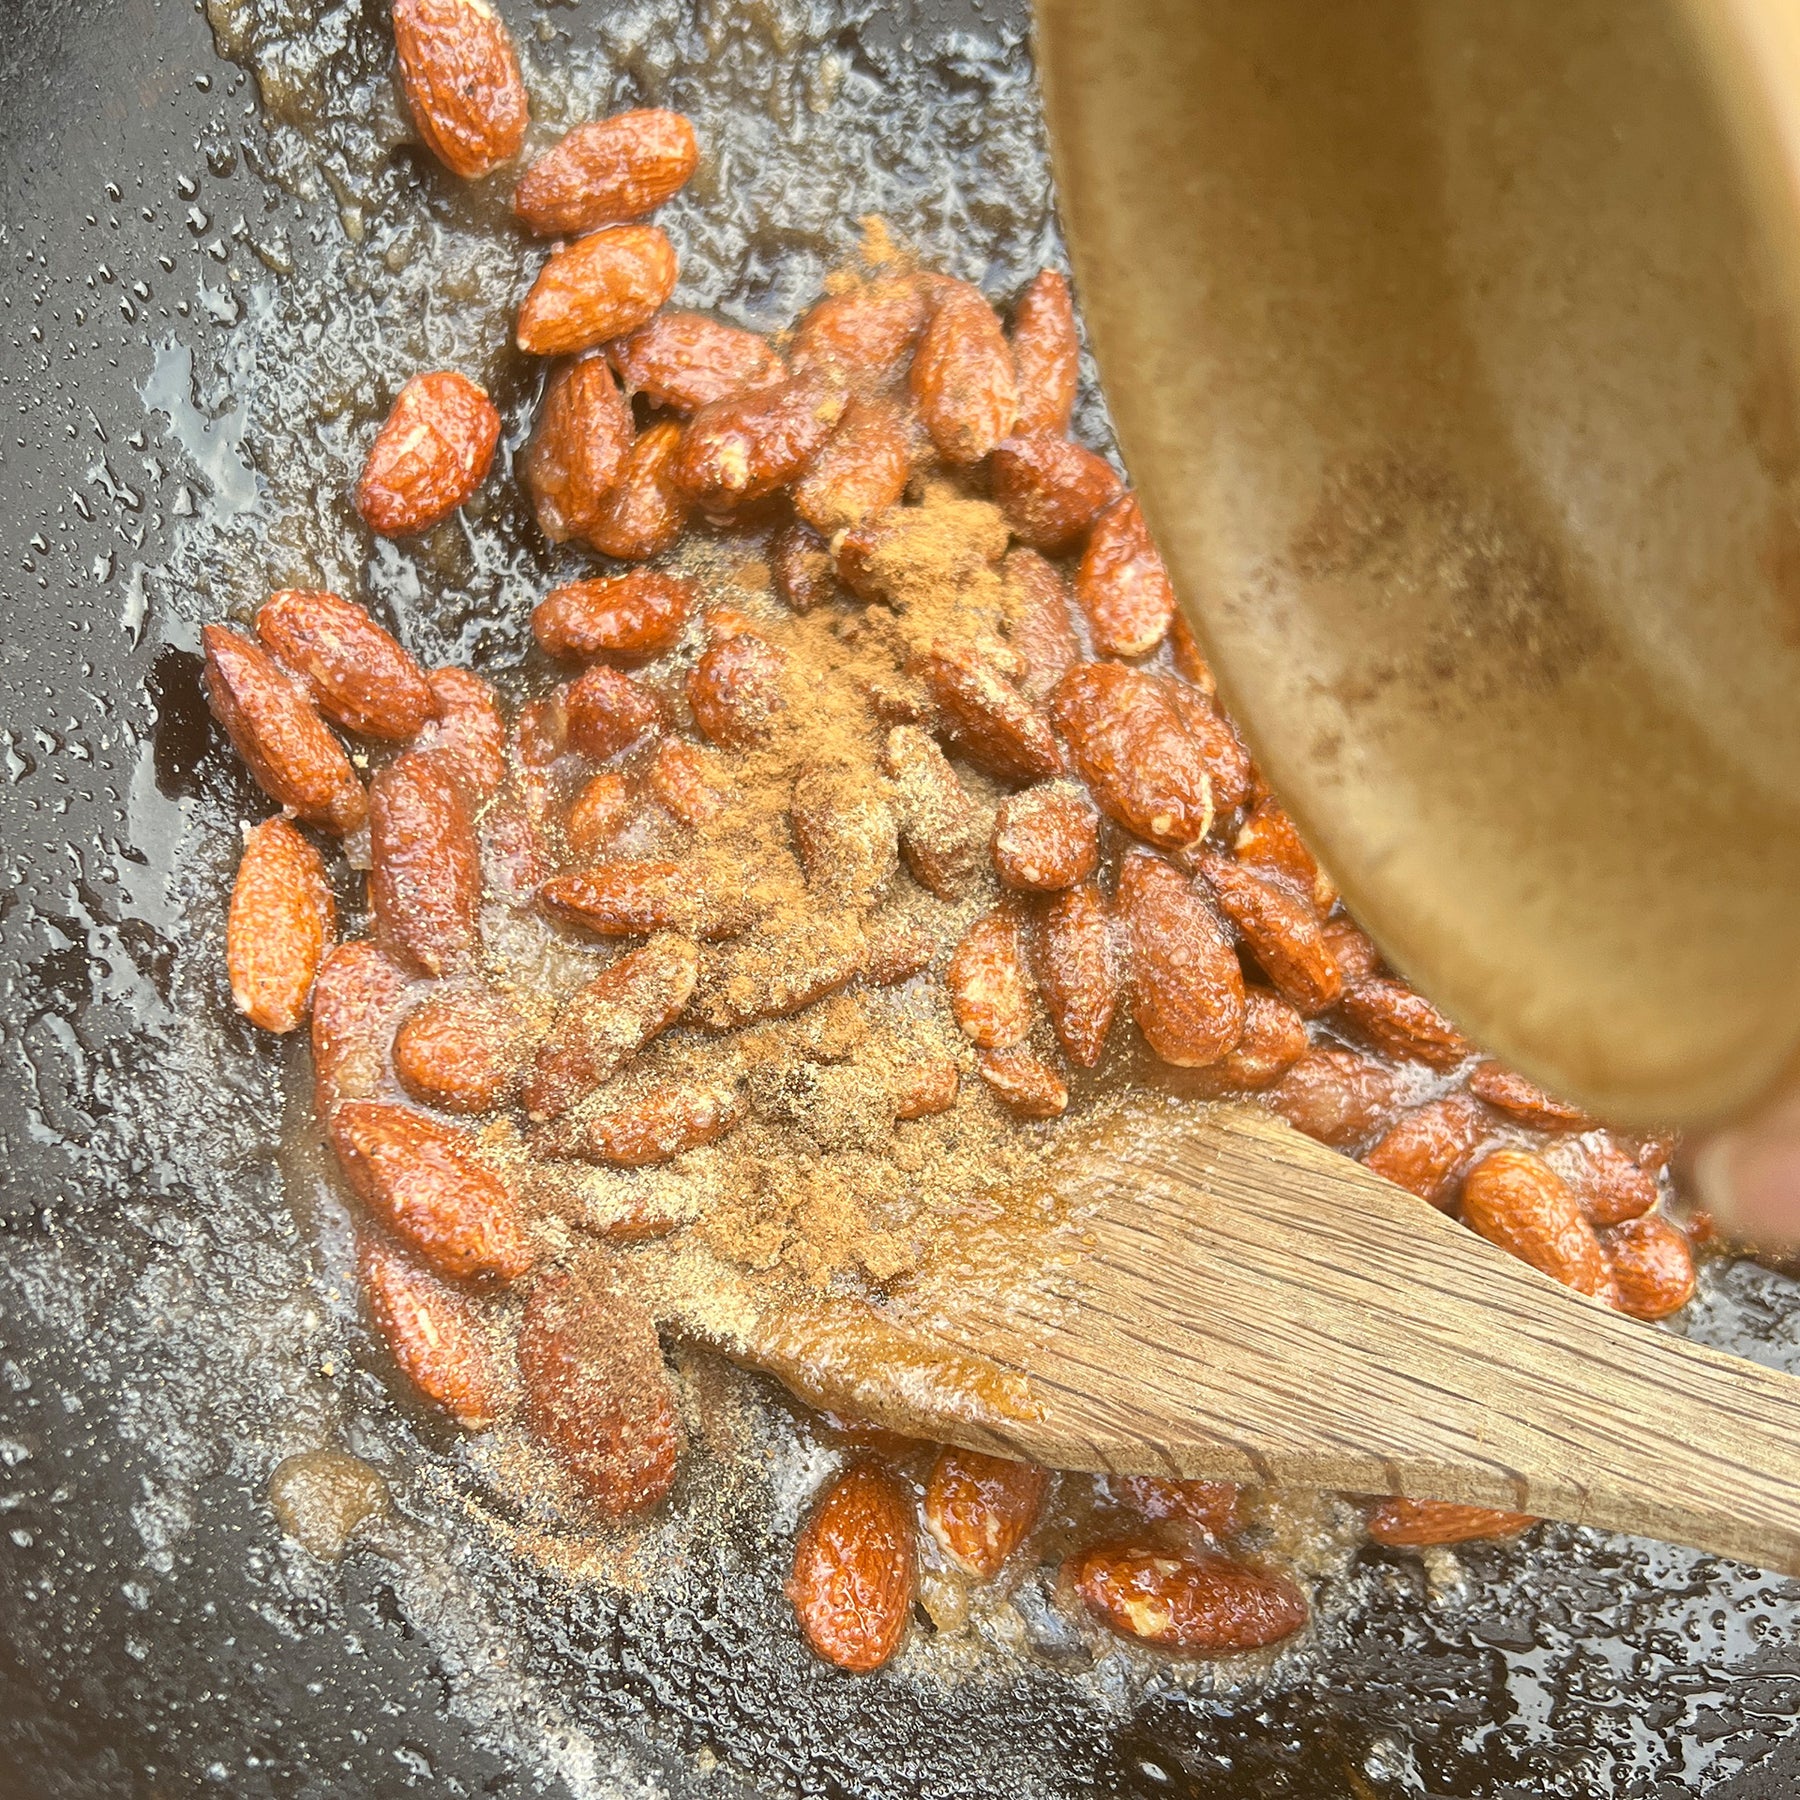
(963, 379)
(1186, 1602)
(424, 864)
(1047, 354)
(644, 513)
(855, 1570)
(280, 922)
(461, 80)
(1122, 585)
(599, 287)
(431, 453)
(431, 1332)
(628, 617)
(1187, 992)
(685, 360)
(607, 173)
(359, 676)
(577, 454)
(982, 1508)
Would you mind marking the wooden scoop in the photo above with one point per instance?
(1228, 1299)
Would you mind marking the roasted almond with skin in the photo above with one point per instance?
(359, 989)
(992, 723)
(461, 80)
(685, 360)
(1080, 972)
(277, 731)
(861, 469)
(431, 1332)
(597, 1391)
(1652, 1267)
(1023, 1082)
(940, 828)
(989, 983)
(600, 812)
(468, 736)
(630, 617)
(1273, 1040)
(431, 453)
(924, 1086)
(577, 454)
(1045, 838)
(462, 1052)
(865, 332)
(358, 675)
(982, 1508)
(1512, 1093)
(1426, 1150)
(1335, 1096)
(743, 449)
(1132, 750)
(644, 513)
(1279, 929)
(960, 540)
(607, 712)
(424, 864)
(1187, 992)
(1404, 1024)
(599, 287)
(855, 1570)
(1609, 1185)
(805, 574)
(963, 380)
(782, 969)
(845, 832)
(1122, 585)
(607, 173)
(662, 1123)
(694, 783)
(1516, 1200)
(1352, 950)
(897, 949)
(1051, 490)
(1196, 1602)
(1190, 664)
(606, 1023)
(1269, 842)
(1406, 1523)
(280, 922)
(624, 899)
(735, 690)
(1228, 764)
(426, 1182)
(1037, 616)
(1047, 355)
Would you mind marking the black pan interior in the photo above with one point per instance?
(172, 1311)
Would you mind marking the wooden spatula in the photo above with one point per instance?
(1228, 1299)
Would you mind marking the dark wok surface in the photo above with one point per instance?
(172, 1313)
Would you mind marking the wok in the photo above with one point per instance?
(202, 305)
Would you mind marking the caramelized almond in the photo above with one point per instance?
(358, 674)
(280, 922)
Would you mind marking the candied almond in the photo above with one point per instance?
(1352, 950)
(354, 999)
(600, 812)
(577, 453)
(1023, 1082)
(1404, 1522)
(1051, 490)
(861, 469)
(1188, 661)
(846, 834)
(461, 1052)
(684, 361)
(1122, 585)
(626, 898)
(607, 1022)
(1652, 1266)
(866, 331)
(692, 781)
(431, 1332)
(981, 1508)
(855, 1570)
(1037, 614)
(1079, 971)
(425, 1181)
(1516, 1200)
(923, 1086)
(990, 986)
(952, 543)
(1269, 842)
(597, 1391)
(1335, 1096)
(992, 723)
(358, 674)
(1274, 1039)
(898, 950)
(468, 736)
(735, 690)
(607, 172)
(1228, 764)
(1187, 991)
(1213, 1506)
(424, 863)
(1047, 353)
(1045, 838)
(643, 514)
(747, 447)
(607, 712)
(1427, 1149)
(963, 378)
(631, 617)
(1132, 750)
(662, 1123)
(1279, 929)
(599, 287)
(1193, 1602)
(280, 922)
(782, 969)
(277, 731)
(1512, 1093)
(1402, 1023)
(431, 453)
(805, 574)
(461, 79)
(1608, 1184)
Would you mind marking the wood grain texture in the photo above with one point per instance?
(1235, 1301)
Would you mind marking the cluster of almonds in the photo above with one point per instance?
(1141, 869)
